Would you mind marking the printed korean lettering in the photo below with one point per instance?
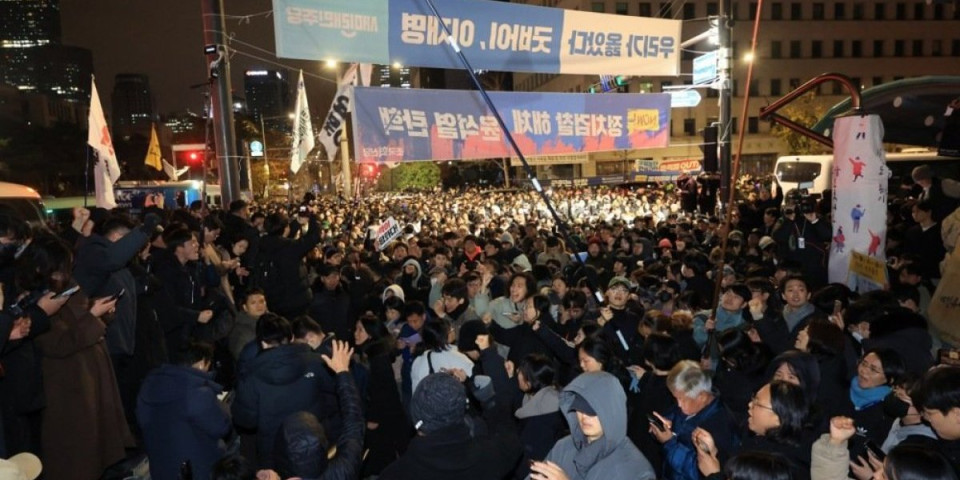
(581, 125)
(463, 31)
(541, 123)
(489, 129)
(522, 122)
(598, 124)
(413, 28)
(446, 125)
(512, 37)
(467, 126)
(614, 41)
(413, 122)
(615, 125)
(542, 38)
(587, 43)
(649, 46)
(564, 124)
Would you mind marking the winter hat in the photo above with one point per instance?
(766, 242)
(506, 238)
(439, 402)
(469, 332)
(665, 243)
(22, 466)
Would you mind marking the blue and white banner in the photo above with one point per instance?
(397, 125)
(860, 177)
(493, 36)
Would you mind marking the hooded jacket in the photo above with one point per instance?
(611, 457)
(541, 425)
(181, 420)
(416, 286)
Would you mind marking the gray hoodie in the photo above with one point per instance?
(611, 457)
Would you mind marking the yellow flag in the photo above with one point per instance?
(153, 151)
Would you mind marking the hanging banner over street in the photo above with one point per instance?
(396, 125)
(493, 35)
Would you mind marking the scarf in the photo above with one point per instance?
(865, 398)
(794, 317)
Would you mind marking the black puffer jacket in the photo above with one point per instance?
(279, 382)
(289, 293)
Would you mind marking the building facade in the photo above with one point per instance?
(269, 97)
(32, 58)
(132, 105)
(871, 41)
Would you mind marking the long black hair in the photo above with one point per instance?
(755, 465)
(540, 371)
(792, 407)
(914, 462)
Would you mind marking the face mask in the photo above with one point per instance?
(857, 336)
(894, 407)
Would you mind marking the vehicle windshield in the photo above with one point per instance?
(798, 172)
(27, 209)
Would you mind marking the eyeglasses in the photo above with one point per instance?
(869, 366)
(756, 403)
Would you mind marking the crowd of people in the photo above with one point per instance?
(634, 336)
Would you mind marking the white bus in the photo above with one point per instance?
(813, 172)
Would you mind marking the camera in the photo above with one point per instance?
(808, 205)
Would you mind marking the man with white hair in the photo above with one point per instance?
(697, 407)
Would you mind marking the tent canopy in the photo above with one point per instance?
(912, 110)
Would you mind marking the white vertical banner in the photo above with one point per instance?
(329, 135)
(860, 178)
(303, 141)
(107, 170)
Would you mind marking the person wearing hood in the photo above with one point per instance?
(595, 407)
(180, 416)
(415, 285)
(282, 379)
(393, 290)
(444, 447)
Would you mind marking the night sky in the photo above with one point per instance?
(164, 40)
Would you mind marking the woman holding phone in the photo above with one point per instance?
(84, 430)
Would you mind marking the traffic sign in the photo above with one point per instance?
(256, 148)
(705, 68)
(684, 98)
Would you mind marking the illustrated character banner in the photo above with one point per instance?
(860, 179)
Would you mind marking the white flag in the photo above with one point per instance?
(333, 125)
(172, 173)
(303, 141)
(107, 170)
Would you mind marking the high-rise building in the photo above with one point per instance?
(32, 59)
(29, 23)
(394, 76)
(132, 105)
(268, 97)
(873, 42)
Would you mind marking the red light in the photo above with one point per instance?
(194, 156)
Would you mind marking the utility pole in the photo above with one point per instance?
(725, 70)
(221, 101)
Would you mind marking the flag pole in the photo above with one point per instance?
(86, 176)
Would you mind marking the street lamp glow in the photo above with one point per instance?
(397, 65)
(331, 63)
(748, 57)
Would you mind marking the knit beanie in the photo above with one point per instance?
(439, 402)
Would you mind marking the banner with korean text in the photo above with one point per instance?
(397, 125)
(493, 35)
